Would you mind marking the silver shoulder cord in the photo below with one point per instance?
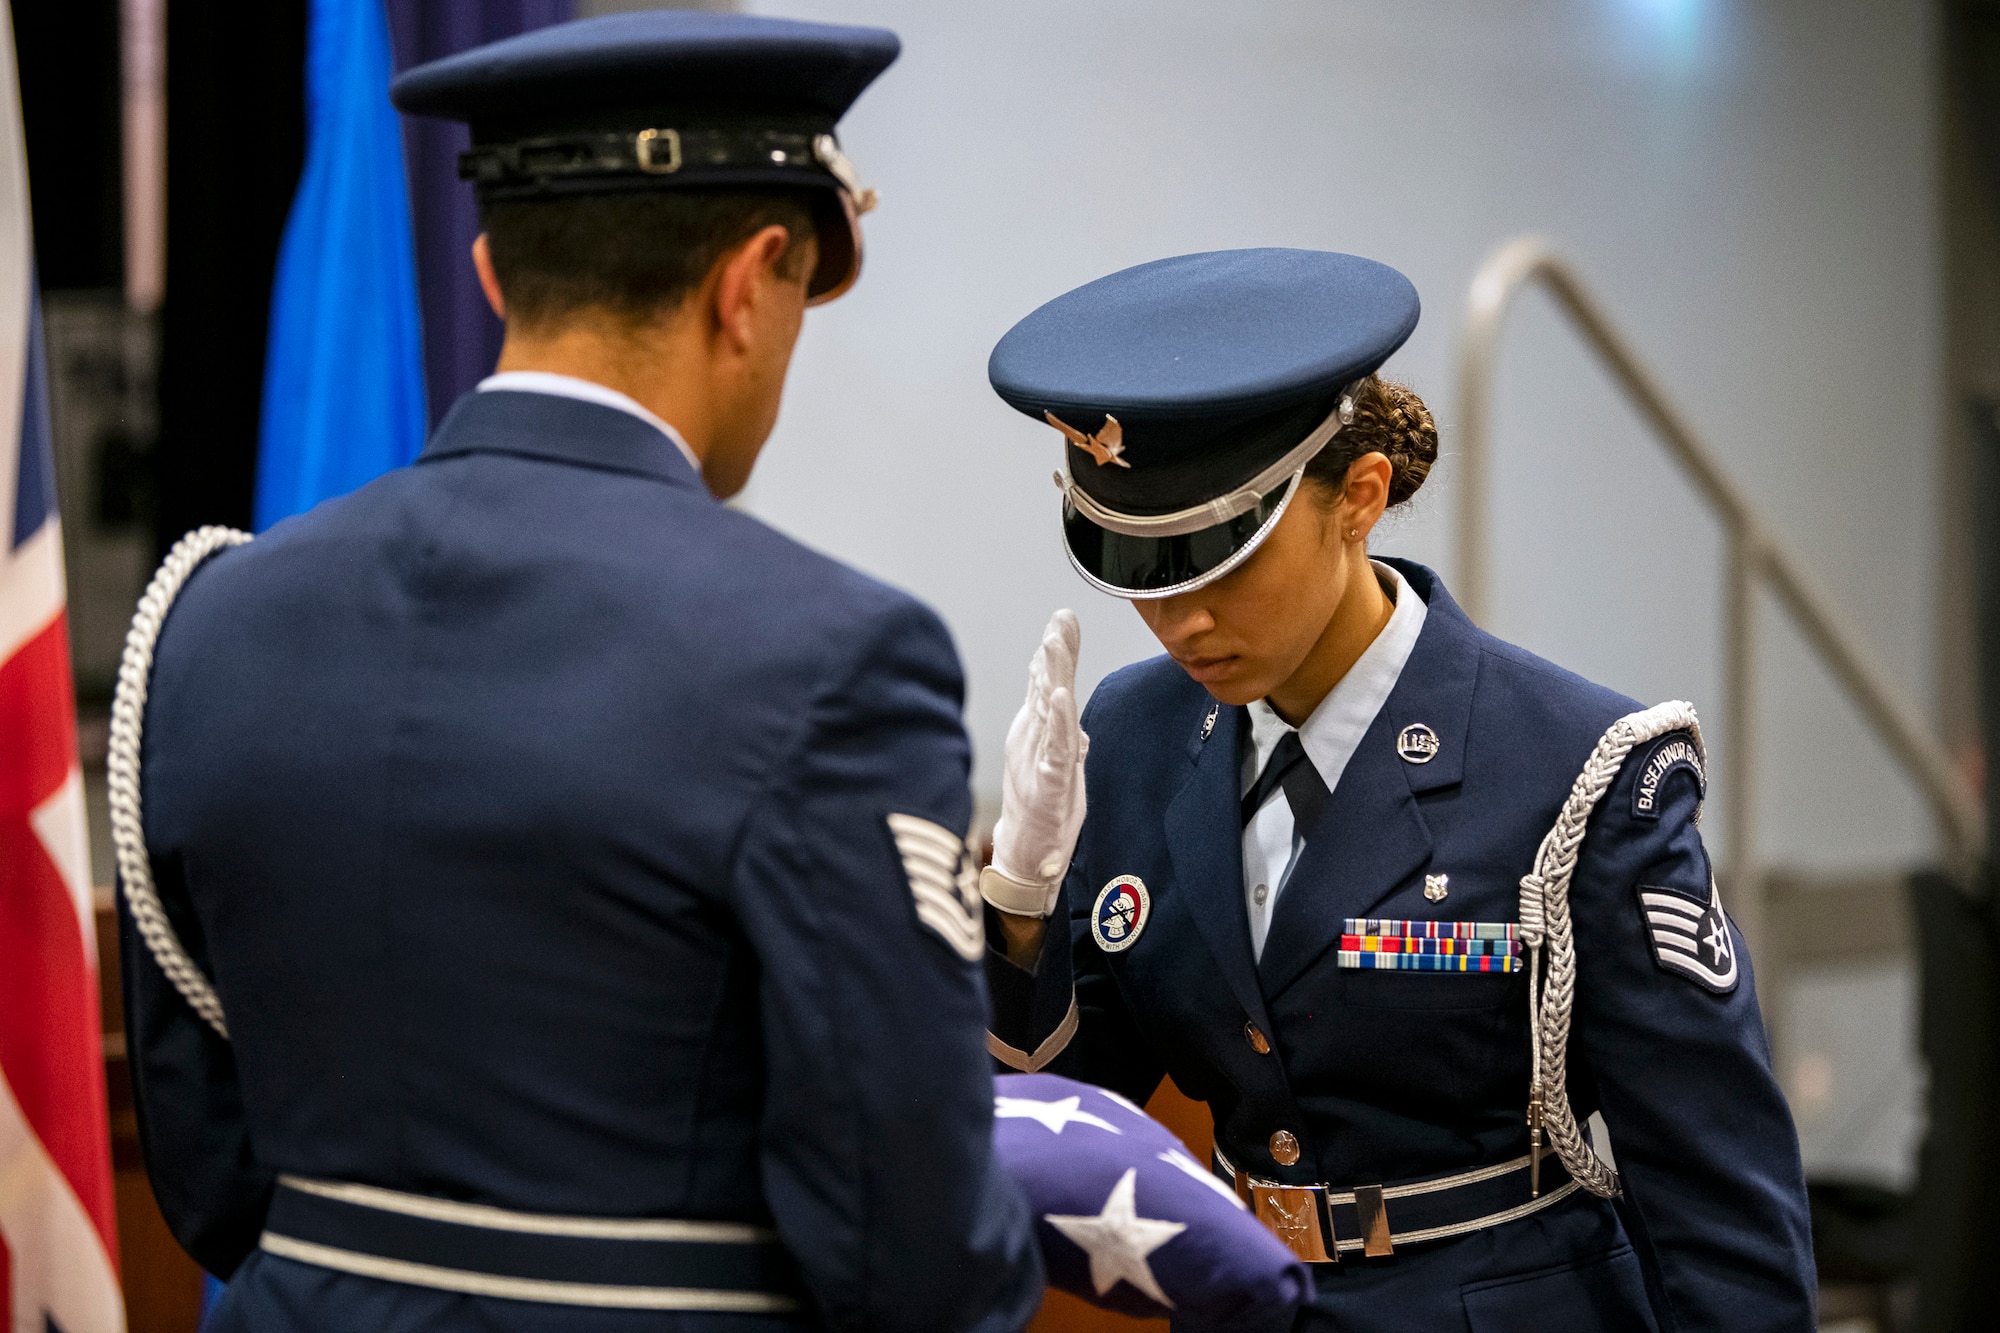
(1545, 922)
(128, 715)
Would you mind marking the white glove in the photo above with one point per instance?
(1041, 796)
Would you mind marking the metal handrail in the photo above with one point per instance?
(1754, 555)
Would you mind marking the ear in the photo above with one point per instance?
(1365, 495)
(743, 281)
(489, 281)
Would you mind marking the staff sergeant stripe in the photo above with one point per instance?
(943, 884)
(1672, 921)
(1691, 938)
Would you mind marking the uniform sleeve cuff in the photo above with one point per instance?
(1034, 1013)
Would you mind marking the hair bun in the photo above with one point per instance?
(1389, 420)
(1393, 420)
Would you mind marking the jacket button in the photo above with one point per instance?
(1284, 1148)
(1256, 1039)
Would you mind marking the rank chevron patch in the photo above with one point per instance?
(943, 881)
(1691, 939)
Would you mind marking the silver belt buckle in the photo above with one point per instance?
(1296, 1215)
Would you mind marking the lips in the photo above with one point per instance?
(1205, 669)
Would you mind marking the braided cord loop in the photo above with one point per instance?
(1545, 927)
(128, 715)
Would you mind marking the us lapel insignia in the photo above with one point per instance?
(1106, 446)
(943, 881)
(1122, 910)
(1436, 887)
(1417, 743)
(1690, 939)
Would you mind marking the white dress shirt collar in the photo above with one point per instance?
(1271, 841)
(589, 391)
(1334, 731)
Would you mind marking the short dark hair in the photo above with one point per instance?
(635, 254)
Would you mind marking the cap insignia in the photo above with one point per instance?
(1106, 446)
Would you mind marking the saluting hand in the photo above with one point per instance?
(1041, 794)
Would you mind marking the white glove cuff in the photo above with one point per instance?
(1013, 896)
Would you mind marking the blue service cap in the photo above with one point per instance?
(665, 99)
(1191, 393)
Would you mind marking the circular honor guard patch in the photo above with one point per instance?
(1418, 744)
(1122, 910)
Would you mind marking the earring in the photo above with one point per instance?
(1351, 533)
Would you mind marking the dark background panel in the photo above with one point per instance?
(68, 56)
(461, 334)
(235, 146)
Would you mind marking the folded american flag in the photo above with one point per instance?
(1127, 1219)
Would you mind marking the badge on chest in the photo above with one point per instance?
(1122, 910)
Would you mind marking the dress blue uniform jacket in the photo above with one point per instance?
(1388, 1076)
(527, 809)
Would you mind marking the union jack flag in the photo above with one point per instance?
(58, 1239)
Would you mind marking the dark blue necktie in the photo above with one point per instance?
(1305, 791)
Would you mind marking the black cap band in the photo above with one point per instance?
(587, 162)
(601, 161)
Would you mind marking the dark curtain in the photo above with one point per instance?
(461, 336)
(1958, 1200)
(1958, 1204)
(1972, 59)
(68, 57)
(235, 144)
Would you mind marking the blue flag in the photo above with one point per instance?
(343, 373)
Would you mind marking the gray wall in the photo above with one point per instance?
(1751, 187)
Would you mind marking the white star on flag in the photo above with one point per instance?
(1118, 1240)
(1052, 1114)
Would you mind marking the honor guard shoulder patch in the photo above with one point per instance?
(944, 882)
(1691, 939)
(1122, 910)
(1668, 756)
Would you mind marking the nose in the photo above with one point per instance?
(1177, 621)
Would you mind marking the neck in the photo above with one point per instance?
(1362, 614)
(660, 366)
